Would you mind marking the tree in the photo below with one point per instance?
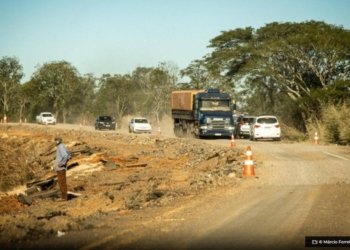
(58, 86)
(153, 89)
(10, 76)
(162, 80)
(113, 96)
(283, 60)
(84, 99)
(24, 101)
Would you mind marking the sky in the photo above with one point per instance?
(117, 36)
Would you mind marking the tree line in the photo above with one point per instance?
(288, 69)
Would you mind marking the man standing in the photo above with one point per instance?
(62, 157)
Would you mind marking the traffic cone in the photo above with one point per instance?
(233, 143)
(248, 169)
(316, 139)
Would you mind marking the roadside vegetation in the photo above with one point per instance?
(334, 124)
(299, 72)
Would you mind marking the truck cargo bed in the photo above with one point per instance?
(183, 99)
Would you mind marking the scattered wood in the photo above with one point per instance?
(51, 214)
(49, 151)
(72, 194)
(72, 165)
(42, 183)
(131, 158)
(136, 165)
(32, 190)
(112, 183)
(47, 194)
(24, 199)
(110, 164)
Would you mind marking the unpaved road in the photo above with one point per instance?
(300, 190)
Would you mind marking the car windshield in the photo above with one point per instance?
(105, 118)
(47, 115)
(141, 121)
(210, 105)
(267, 120)
(248, 120)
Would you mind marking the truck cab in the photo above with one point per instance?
(214, 114)
(202, 113)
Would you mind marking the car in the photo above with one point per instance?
(46, 118)
(265, 127)
(105, 122)
(139, 125)
(242, 128)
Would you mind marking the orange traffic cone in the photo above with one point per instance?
(248, 169)
(316, 140)
(233, 143)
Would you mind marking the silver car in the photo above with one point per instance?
(139, 125)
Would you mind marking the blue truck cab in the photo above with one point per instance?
(209, 116)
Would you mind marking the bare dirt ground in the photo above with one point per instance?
(159, 192)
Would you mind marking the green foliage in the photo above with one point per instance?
(57, 84)
(286, 69)
(280, 68)
(10, 76)
(112, 98)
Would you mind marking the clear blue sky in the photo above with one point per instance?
(117, 36)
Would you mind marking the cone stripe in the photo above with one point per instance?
(248, 162)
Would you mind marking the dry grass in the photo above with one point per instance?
(334, 126)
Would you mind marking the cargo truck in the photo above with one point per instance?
(202, 113)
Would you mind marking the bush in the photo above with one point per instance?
(334, 124)
(292, 134)
(336, 120)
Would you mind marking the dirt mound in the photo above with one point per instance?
(112, 173)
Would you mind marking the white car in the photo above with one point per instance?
(139, 125)
(265, 127)
(46, 118)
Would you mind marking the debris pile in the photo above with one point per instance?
(109, 172)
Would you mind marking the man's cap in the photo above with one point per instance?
(57, 138)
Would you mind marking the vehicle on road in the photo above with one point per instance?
(265, 127)
(139, 125)
(46, 118)
(105, 122)
(242, 128)
(200, 113)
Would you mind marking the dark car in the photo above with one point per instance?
(242, 127)
(105, 122)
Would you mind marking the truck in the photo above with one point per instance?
(46, 118)
(202, 113)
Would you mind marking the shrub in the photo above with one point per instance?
(292, 134)
(334, 126)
